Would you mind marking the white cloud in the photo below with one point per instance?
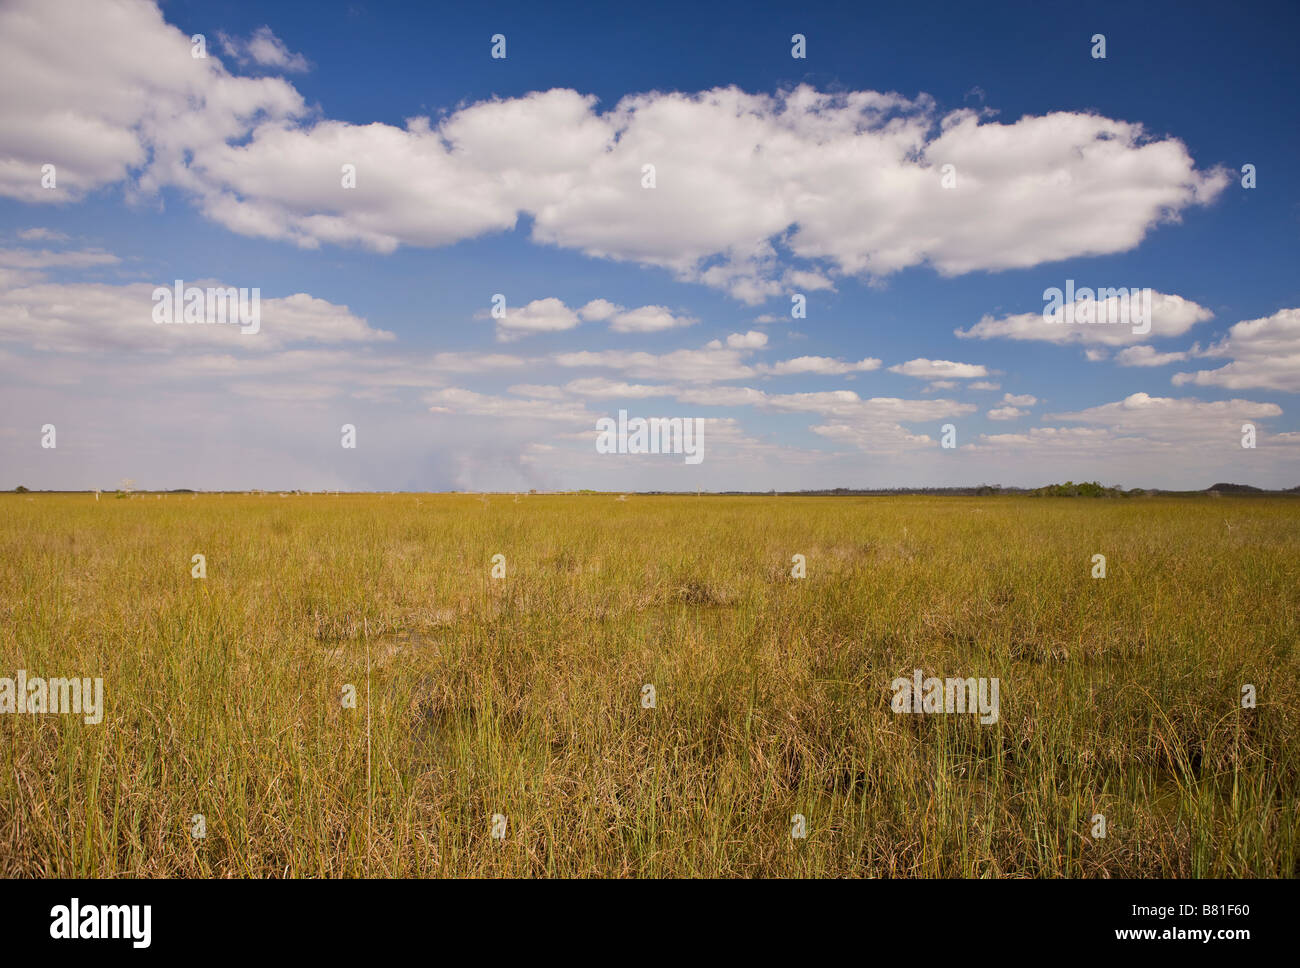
(647, 319)
(1019, 400)
(752, 340)
(78, 317)
(737, 173)
(549, 315)
(1146, 441)
(42, 235)
(808, 176)
(800, 279)
(284, 391)
(457, 400)
(722, 396)
(537, 391)
(1265, 354)
(939, 369)
(108, 91)
(265, 49)
(1006, 413)
(1093, 442)
(46, 259)
(711, 364)
(597, 386)
(847, 404)
(1170, 316)
(475, 362)
(873, 425)
(1144, 355)
(599, 310)
(1173, 418)
(821, 365)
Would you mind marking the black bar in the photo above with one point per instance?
(950, 918)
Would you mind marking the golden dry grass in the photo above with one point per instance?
(521, 696)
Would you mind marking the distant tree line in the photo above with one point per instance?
(1085, 489)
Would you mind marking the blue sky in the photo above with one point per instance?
(774, 176)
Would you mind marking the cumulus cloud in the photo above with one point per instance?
(549, 315)
(264, 49)
(715, 362)
(1144, 355)
(1093, 442)
(647, 319)
(939, 369)
(1170, 316)
(597, 386)
(800, 279)
(722, 396)
(1147, 441)
(537, 391)
(1265, 354)
(80, 317)
(821, 365)
(457, 400)
(599, 310)
(1006, 413)
(41, 235)
(475, 362)
(108, 92)
(751, 340)
(747, 183)
(1167, 419)
(708, 365)
(873, 425)
(47, 259)
(847, 404)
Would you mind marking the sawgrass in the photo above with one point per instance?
(522, 696)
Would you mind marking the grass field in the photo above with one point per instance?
(522, 696)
